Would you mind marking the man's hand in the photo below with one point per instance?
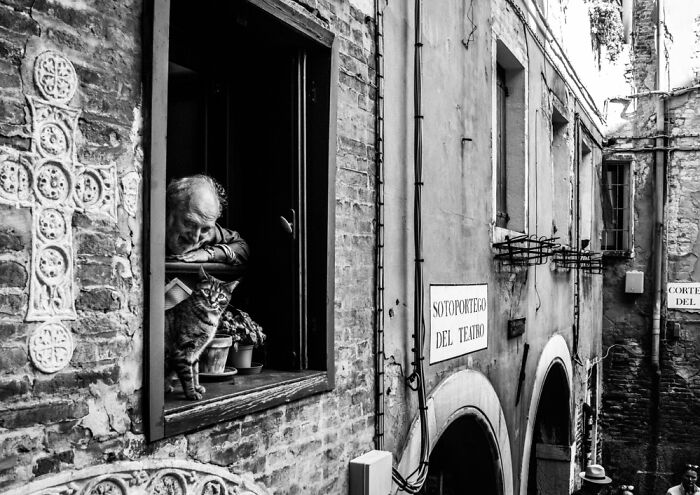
(196, 256)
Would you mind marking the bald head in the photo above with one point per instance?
(193, 206)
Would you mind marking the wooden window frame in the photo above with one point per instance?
(160, 424)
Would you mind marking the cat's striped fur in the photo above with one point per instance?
(190, 326)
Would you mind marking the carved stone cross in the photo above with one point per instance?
(50, 180)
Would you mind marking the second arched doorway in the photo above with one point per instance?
(549, 470)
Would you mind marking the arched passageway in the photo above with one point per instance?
(465, 460)
(550, 451)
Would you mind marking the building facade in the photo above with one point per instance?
(511, 153)
(651, 375)
(388, 167)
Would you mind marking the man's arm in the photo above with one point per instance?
(227, 246)
(224, 246)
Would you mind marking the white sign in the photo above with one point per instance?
(683, 295)
(458, 320)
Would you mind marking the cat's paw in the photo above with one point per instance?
(200, 389)
(168, 389)
(195, 396)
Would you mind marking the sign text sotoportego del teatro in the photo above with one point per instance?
(458, 320)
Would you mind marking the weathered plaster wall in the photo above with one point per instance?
(91, 412)
(650, 422)
(458, 80)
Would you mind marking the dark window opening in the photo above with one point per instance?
(616, 207)
(250, 103)
(501, 174)
(509, 140)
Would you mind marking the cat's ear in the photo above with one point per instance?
(202, 274)
(231, 286)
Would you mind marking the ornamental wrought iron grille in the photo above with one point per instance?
(525, 250)
(50, 181)
(586, 261)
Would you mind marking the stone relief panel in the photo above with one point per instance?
(51, 182)
(146, 477)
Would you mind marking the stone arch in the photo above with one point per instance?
(467, 393)
(554, 361)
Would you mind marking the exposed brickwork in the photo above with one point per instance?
(91, 412)
(650, 422)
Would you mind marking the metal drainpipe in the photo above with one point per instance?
(659, 174)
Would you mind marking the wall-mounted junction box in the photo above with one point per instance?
(634, 282)
(370, 474)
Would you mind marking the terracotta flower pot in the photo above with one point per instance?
(214, 356)
(241, 358)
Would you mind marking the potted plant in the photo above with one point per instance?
(245, 334)
(214, 356)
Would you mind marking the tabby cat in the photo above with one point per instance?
(189, 327)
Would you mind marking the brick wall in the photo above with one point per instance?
(91, 411)
(650, 422)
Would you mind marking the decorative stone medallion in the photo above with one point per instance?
(55, 77)
(89, 189)
(53, 182)
(108, 487)
(168, 484)
(52, 139)
(52, 225)
(15, 177)
(50, 347)
(53, 265)
(213, 487)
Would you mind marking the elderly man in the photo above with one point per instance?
(687, 486)
(193, 205)
(593, 480)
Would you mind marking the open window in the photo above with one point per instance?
(509, 131)
(617, 215)
(247, 96)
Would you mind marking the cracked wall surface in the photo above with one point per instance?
(91, 411)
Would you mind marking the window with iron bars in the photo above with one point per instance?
(617, 193)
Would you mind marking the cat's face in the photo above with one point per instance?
(213, 293)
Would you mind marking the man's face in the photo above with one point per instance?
(189, 226)
(689, 479)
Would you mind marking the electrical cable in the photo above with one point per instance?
(413, 483)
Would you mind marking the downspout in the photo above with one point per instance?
(659, 175)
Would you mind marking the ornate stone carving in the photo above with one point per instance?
(168, 484)
(53, 140)
(50, 180)
(15, 177)
(53, 183)
(51, 281)
(95, 190)
(52, 225)
(130, 192)
(147, 476)
(55, 77)
(50, 347)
